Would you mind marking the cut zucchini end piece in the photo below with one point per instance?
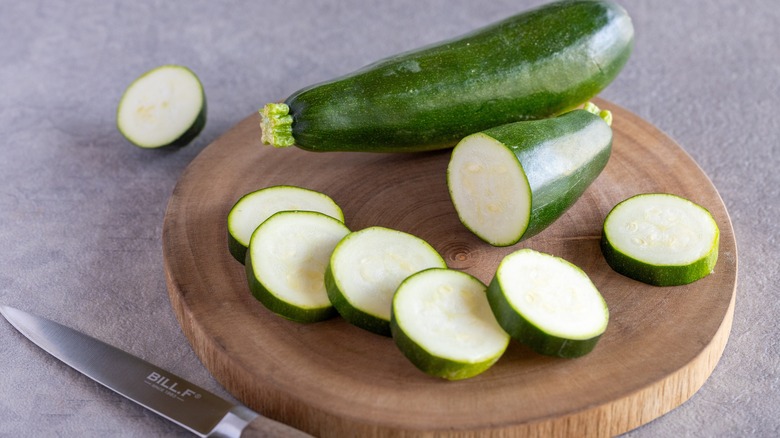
(276, 125)
(255, 207)
(367, 267)
(286, 262)
(660, 239)
(489, 190)
(548, 303)
(442, 322)
(166, 106)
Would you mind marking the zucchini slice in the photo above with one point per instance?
(510, 182)
(366, 269)
(660, 239)
(165, 106)
(286, 261)
(442, 322)
(255, 207)
(532, 65)
(548, 304)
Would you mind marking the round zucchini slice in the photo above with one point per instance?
(442, 322)
(660, 239)
(286, 262)
(165, 106)
(547, 303)
(366, 269)
(255, 207)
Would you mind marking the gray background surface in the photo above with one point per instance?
(81, 209)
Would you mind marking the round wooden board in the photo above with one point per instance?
(332, 379)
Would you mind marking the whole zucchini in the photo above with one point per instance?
(529, 66)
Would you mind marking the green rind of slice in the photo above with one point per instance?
(236, 248)
(629, 262)
(194, 130)
(658, 275)
(526, 332)
(388, 256)
(529, 331)
(436, 366)
(350, 313)
(281, 307)
(417, 346)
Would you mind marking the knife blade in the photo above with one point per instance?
(182, 402)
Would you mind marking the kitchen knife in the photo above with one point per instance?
(170, 396)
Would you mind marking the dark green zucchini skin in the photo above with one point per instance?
(561, 157)
(529, 66)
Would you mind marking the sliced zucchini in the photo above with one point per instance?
(286, 261)
(165, 106)
(548, 304)
(660, 239)
(255, 207)
(510, 182)
(442, 322)
(366, 269)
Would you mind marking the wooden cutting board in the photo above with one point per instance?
(335, 380)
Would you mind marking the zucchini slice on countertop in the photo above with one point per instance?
(165, 106)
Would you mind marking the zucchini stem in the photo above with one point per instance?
(276, 125)
(604, 114)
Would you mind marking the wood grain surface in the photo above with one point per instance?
(335, 380)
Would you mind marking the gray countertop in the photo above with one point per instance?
(81, 210)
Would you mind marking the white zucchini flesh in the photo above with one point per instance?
(164, 106)
(286, 262)
(552, 293)
(489, 189)
(548, 303)
(366, 269)
(661, 239)
(442, 321)
(255, 207)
